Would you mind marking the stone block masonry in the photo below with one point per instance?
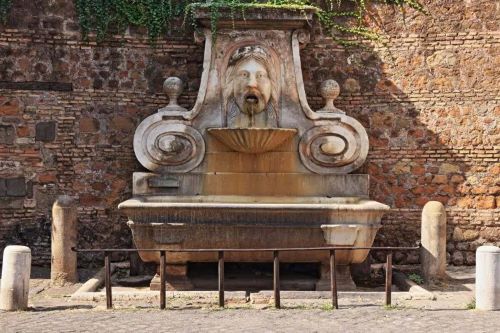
(428, 98)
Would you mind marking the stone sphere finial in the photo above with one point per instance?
(173, 88)
(329, 90)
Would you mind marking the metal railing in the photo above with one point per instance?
(276, 265)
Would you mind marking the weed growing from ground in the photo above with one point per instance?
(416, 278)
(471, 305)
(327, 307)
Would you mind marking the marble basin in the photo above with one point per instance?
(252, 140)
(250, 222)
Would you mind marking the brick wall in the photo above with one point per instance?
(428, 96)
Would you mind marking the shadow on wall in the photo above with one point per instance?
(426, 137)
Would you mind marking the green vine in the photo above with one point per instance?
(233, 6)
(106, 17)
(4, 10)
(103, 17)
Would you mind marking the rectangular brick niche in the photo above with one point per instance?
(45, 131)
(7, 134)
(13, 187)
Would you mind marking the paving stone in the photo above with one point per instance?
(428, 97)
(357, 319)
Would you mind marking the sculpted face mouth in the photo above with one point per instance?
(251, 98)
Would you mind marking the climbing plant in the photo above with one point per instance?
(4, 10)
(104, 17)
(330, 13)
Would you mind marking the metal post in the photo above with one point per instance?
(388, 279)
(221, 278)
(333, 280)
(107, 281)
(162, 280)
(277, 300)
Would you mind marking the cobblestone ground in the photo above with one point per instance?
(52, 310)
(358, 319)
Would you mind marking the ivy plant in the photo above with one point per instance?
(105, 17)
(4, 10)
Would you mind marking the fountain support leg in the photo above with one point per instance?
(176, 279)
(343, 274)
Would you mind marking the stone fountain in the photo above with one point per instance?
(251, 165)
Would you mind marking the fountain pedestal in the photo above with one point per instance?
(251, 165)
(343, 278)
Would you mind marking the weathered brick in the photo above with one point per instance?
(464, 235)
(9, 106)
(89, 125)
(491, 234)
(440, 179)
(486, 202)
(457, 179)
(457, 258)
(47, 177)
(121, 123)
(23, 131)
(447, 168)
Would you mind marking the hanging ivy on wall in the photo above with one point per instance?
(4, 10)
(105, 17)
(101, 16)
(114, 16)
(329, 12)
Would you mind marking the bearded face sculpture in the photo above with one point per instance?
(252, 87)
(250, 91)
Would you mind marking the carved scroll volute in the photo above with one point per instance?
(166, 146)
(163, 143)
(339, 147)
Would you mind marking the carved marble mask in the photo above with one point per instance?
(251, 86)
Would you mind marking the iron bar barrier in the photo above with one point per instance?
(276, 268)
(388, 279)
(333, 280)
(276, 279)
(163, 292)
(221, 278)
(107, 280)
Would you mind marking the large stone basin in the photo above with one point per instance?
(176, 222)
